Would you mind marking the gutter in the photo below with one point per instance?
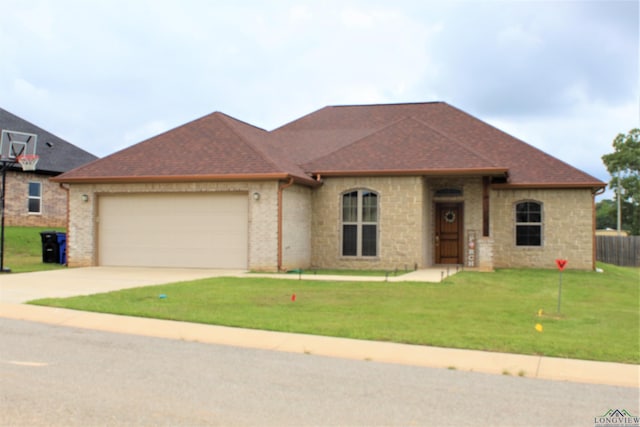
(281, 187)
(595, 186)
(66, 188)
(184, 178)
(416, 172)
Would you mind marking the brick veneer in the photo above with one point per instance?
(53, 204)
(263, 220)
(567, 228)
(401, 223)
(312, 224)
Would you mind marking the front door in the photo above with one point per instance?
(448, 239)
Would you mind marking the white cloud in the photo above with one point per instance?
(143, 131)
(356, 19)
(580, 137)
(108, 73)
(25, 90)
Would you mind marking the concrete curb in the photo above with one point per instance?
(549, 368)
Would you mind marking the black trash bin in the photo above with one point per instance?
(50, 247)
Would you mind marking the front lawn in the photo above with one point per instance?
(498, 311)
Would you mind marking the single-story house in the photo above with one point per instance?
(355, 187)
(31, 199)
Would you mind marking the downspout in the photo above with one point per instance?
(594, 243)
(281, 187)
(66, 188)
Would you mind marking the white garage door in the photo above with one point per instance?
(173, 230)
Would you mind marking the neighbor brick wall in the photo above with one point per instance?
(567, 228)
(54, 201)
(401, 223)
(82, 235)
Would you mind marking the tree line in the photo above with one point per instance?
(624, 166)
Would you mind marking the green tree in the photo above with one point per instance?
(606, 216)
(624, 166)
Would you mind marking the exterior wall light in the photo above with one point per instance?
(85, 198)
(256, 196)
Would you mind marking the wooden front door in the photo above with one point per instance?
(448, 239)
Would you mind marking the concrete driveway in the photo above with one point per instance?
(22, 287)
(18, 288)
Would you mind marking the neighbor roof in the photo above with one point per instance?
(56, 154)
(390, 139)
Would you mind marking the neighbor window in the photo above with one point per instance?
(529, 224)
(35, 198)
(360, 223)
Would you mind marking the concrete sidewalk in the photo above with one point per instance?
(466, 360)
(16, 289)
(433, 275)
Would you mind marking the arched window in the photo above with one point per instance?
(529, 224)
(360, 223)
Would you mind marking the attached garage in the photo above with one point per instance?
(202, 230)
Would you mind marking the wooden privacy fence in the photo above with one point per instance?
(618, 250)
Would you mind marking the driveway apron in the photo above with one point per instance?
(17, 288)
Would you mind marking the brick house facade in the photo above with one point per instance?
(50, 209)
(31, 199)
(363, 187)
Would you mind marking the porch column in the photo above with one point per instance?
(485, 206)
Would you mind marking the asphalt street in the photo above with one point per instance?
(60, 376)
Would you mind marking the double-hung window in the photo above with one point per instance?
(360, 223)
(529, 224)
(35, 198)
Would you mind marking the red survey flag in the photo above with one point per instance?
(561, 263)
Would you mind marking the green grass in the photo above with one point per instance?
(23, 249)
(498, 311)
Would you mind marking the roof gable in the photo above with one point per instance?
(405, 146)
(527, 165)
(213, 146)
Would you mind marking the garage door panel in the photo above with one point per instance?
(208, 230)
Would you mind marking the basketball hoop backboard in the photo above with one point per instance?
(14, 144)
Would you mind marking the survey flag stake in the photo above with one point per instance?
(561, 263)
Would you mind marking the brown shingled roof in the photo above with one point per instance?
(330, 129)
(213, 147)
(420, 139)
(407, 145)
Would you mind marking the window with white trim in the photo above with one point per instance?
(360, 223)
(35, 198)
(529, 224)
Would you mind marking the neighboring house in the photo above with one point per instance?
(30, 198)
(362, 187)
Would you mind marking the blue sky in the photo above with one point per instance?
(561, 75)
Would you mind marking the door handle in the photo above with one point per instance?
(437, 240)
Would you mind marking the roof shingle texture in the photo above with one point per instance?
(56, 154)
(425, 138)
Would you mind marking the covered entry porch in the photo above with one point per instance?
(457, 231)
